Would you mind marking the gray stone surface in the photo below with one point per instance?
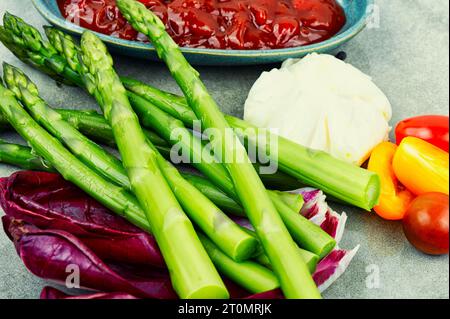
(407, 55)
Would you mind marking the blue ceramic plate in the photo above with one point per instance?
(356, 11)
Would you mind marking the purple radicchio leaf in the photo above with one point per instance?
(55, 254)
(47, 201)
(65, 229)
(53, 293)
(317, 210)
(330, 268)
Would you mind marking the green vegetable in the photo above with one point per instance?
(250, 275)
(192, 272)
(93, 155)
(216, 195)
(94, 126)
(310, 259)
(19, 155)
(291, 270)
(224, 232)
(29, 46)
(56, 155)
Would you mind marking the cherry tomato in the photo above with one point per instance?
(426, 223)
(431, 128)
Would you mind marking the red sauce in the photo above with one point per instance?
(220, 24)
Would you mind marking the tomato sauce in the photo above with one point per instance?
(220, 24)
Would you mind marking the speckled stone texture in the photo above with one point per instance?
(406, 54)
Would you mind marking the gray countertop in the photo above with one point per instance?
(407, 55)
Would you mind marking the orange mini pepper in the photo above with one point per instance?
(394, 201)
(421, 166)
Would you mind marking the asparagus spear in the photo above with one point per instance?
(292, 272)
(15, 154)
(34, 50)
(68, 50)
(257, 278)
(192, 272)
(93, 155)
(94, 126)
(108, 194)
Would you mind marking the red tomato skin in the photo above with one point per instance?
(425, 223)
(431, 128)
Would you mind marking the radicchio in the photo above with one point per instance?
(55, 224)
(55, 254)
(49, 202)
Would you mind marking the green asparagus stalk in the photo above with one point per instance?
(291, 270)
(250, 275)
(192, 272)
(56, 155)
(19, 155)
(36, 61)
(93, 155)
(34, 50)
(310, 259)
(174, 132)
(216, 195)
(23, 157)
(224, 232)
(94, 126)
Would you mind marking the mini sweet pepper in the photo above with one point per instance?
(421, 166)
(394, 199)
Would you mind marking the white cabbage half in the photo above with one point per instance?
(323, 103)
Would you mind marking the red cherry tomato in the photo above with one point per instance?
(426, 223)
(431, 128)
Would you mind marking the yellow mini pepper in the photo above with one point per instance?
(421, 166)
(394, 201)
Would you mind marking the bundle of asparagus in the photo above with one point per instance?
(60, 141)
